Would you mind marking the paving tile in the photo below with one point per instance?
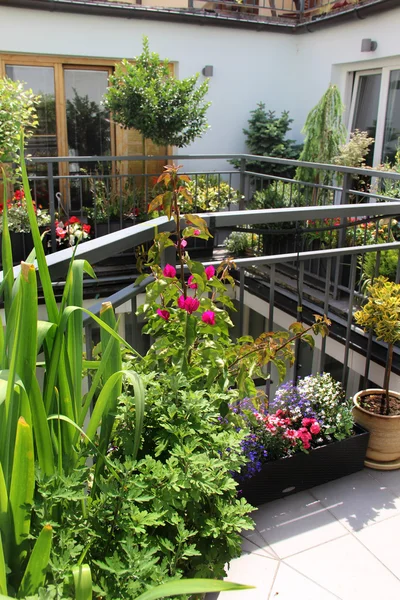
(389, 479)
(347, 569)
(296, 523)
(290, 585)
(251, 569)
(358, 500)
(383, 541)
(253, 542)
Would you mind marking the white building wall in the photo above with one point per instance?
(285, 71)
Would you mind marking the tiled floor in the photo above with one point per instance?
(339, 540)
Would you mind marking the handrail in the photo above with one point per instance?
(99, 249)
(249, 157)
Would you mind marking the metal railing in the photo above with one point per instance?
(113, 192)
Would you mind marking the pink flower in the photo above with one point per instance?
(210, 272)
(196, 232)
(169, 271)
(290, 434)
(183, 243)
(307, 422)
(315, 428)
(164, 314)
(60, 232)
(191, 283)
(208, 317)
(189, 304)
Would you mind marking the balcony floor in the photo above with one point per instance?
(338, 540)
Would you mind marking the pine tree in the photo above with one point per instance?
(325, 133)
(266, 136)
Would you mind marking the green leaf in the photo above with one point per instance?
(191, 586)
(35, 571)
(83, 582)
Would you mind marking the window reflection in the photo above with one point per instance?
(366, 108)
(392, 121)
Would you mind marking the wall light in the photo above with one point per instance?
(208, 71)
(367, 45)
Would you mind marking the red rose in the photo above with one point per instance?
(86, 228)
(73, 220)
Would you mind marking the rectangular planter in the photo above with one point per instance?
(286, 476)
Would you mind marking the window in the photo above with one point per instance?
(375, 108)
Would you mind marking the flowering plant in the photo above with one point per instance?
(17, 214)
(72, 231)
(324, 230)
(187, 316)
(300, 417)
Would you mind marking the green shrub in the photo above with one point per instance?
(389, 260)
(210, 193)
(239, 241)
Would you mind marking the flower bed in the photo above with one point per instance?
(293, 443)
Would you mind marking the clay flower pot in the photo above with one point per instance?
(383, 450)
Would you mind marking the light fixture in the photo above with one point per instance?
(367, 45)
(208, 71)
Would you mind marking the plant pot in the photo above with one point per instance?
(287, 476)
(22, 245)
(383, 451)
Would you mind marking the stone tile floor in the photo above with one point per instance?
(339, 540)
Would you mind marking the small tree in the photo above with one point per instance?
(17, 111)
(146, 97)
(325, 133)
(381, 314)
(266, 136)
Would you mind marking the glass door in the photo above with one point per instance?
(365, 107)
(88, 129)
(391, 138)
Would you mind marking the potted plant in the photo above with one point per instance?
(18, 224)
(304, 437)
(240, 243)
(378, 410)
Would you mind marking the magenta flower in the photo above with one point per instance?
(164, 314)
(191, 283)
(183, 243)
(189, 304)
(169, 271)
(208, 317)
(196, 232)
(210, 272)
(315, 428)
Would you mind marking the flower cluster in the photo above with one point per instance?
(17, 214)
(188, 303)
(299, 418)
(323, 230)
(72, 231)
(373, 232)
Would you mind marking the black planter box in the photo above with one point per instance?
(286, 476)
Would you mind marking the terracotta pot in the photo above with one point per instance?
(383, 450)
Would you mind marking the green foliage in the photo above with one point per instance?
(381, 314)
(238, 242)
(266, 136)
(325, 133)
(17, 111)
(276, 195)
(353, 153)
(210, 193)
(146, 97)
(389, 260)
(39, 422)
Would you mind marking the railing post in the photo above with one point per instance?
(301, 9)
(241, 302)
(344, 199)
(242, 184)
(50, 181)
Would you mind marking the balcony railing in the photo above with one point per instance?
(328, 232)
